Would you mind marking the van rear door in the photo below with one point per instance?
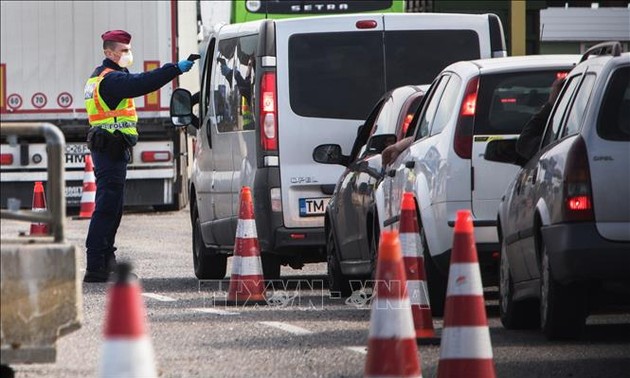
(329, 75)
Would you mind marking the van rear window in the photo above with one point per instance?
(506, 102)
(342, 75)
(335, 75)
(418, 56)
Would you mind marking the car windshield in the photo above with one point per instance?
(507, 101)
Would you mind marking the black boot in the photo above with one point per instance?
(110, 261)
(100, 275)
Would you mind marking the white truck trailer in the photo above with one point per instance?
(48, 51)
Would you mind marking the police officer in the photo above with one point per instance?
(109, 94)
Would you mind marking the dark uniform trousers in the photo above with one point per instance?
(110, 172)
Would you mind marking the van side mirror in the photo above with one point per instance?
(503, 151)
(181, 107)
(330, 154)
(377, 143)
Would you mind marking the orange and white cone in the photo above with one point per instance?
(88, 196)
(466, 350)
(392, 349)
(39, 205)
(127, 350)
(414, 268)
(247, 284)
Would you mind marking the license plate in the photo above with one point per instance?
(310, 207)
(75, 155)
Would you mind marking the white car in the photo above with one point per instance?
(469, 104)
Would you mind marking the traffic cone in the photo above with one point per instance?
(466, 350)
(127, 351)
(247, 285)
(88, 196)
(392, 349)
(39, 205)
(416, 277)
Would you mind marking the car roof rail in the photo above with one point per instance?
(605, 48)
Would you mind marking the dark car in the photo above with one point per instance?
(350, 242)
(564, 221)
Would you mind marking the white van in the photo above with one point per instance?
(273, 90)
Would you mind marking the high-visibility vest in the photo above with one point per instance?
(123, 118)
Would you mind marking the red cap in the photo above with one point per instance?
(117, 36)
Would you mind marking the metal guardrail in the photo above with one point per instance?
(55, 214)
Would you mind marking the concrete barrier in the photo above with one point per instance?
(40, 299)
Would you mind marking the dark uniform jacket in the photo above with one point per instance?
(121, 84)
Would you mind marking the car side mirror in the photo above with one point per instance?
(330, 154)
(377, 143)
(503, 151)
(181, 107)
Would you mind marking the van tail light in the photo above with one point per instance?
(6, 159)
(578, 199)
(268, 112)
(155, 156)
(466, 120)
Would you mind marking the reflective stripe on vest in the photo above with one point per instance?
(123, 118)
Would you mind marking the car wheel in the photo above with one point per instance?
(514, 315)
(207, 262)
(271, 266)
(563, 308)
(436, 281)
(337, 282)
(374, 240)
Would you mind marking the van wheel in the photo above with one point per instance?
(207, 262)
(271, 266)
(563, 309)
(337, 282)
(514, 315)
(436, 281)
(6, 371)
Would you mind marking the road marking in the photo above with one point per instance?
(288, 327)
(358, 349)
(158, 297)
(216, 311)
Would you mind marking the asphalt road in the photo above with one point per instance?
(305, 334)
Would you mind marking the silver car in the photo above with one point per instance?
(564, 221)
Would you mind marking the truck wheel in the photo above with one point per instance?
(514, 315)
(337, 282)
(167, 208)
(271, 266)
(436, 281)
(563, 309)
(207, 262)
(6, 371)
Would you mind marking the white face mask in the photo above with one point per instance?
(126, 60)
